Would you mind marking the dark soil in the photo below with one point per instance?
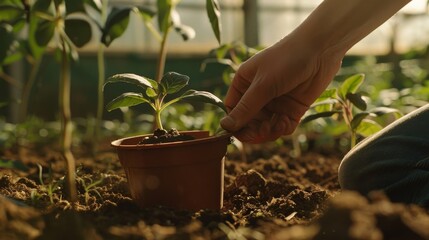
(268, 195)
(164, 136)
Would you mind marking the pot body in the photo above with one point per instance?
(183, 175)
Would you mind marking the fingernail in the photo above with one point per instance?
(227, 123)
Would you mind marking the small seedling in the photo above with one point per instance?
(51, 187)
(89, 185)
(155, 94)
(351, 107)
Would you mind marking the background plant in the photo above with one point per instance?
(17, 28)
(345, 103)
(66, 30)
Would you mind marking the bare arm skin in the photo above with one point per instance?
(272, 90)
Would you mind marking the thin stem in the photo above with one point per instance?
(158, 110)
(353, 139)
(101, 77)
(66, 124)
(162, 56)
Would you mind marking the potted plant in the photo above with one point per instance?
(179, 169)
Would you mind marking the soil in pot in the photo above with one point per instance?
(164, 136)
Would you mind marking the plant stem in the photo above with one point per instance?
(162, 56)
(66, 123)
(101, 77)
(353, 139)
(28, 86)
(158, 122)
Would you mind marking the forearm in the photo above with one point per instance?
(336, 25)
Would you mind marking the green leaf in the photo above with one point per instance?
(10, 13)
(186, 32)
(31, 45)
(165, 8)
(12, 164)
(146, 13)
(213, 12)
(379, 111)
(172, 82)
(73, 6)
(134, 79)
(324, 105)
(78, 31)
(358, 118)
(116, 24)
(41, 6)
(203, 97)
(150, 92)
(7, 41)
(127, 100)
(350, 85)
(315, 116)
(357, 100)
(368, 127)
(328, 93)
(44, 32)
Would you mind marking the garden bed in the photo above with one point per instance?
(268, 195)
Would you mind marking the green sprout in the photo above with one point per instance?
(154, 94)
(345, 103)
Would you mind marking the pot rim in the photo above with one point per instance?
(119, 142)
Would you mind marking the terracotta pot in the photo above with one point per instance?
(182, 175)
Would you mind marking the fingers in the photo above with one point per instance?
(279, 117)
(258, 132)
(244, 100)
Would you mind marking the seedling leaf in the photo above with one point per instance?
(357, 100)
(79, 31)
(350, 85)
(325, 105)
(198, 96)
(172, 82)
(133, 79)
(44, 32)
(358, 118)
(146, 13)
(315, 116)
(328, 93)
(74, 6)
(164, 14)
(127, 100)
(368, 127)
(213, 12)
(41, 5)
(116, 24)
(204, 97)
(10, 13)
(379, 111)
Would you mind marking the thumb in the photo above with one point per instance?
(254, 99)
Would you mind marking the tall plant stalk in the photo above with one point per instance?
(66, 123)
(101, 77)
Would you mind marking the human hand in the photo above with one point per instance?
(272, 90)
